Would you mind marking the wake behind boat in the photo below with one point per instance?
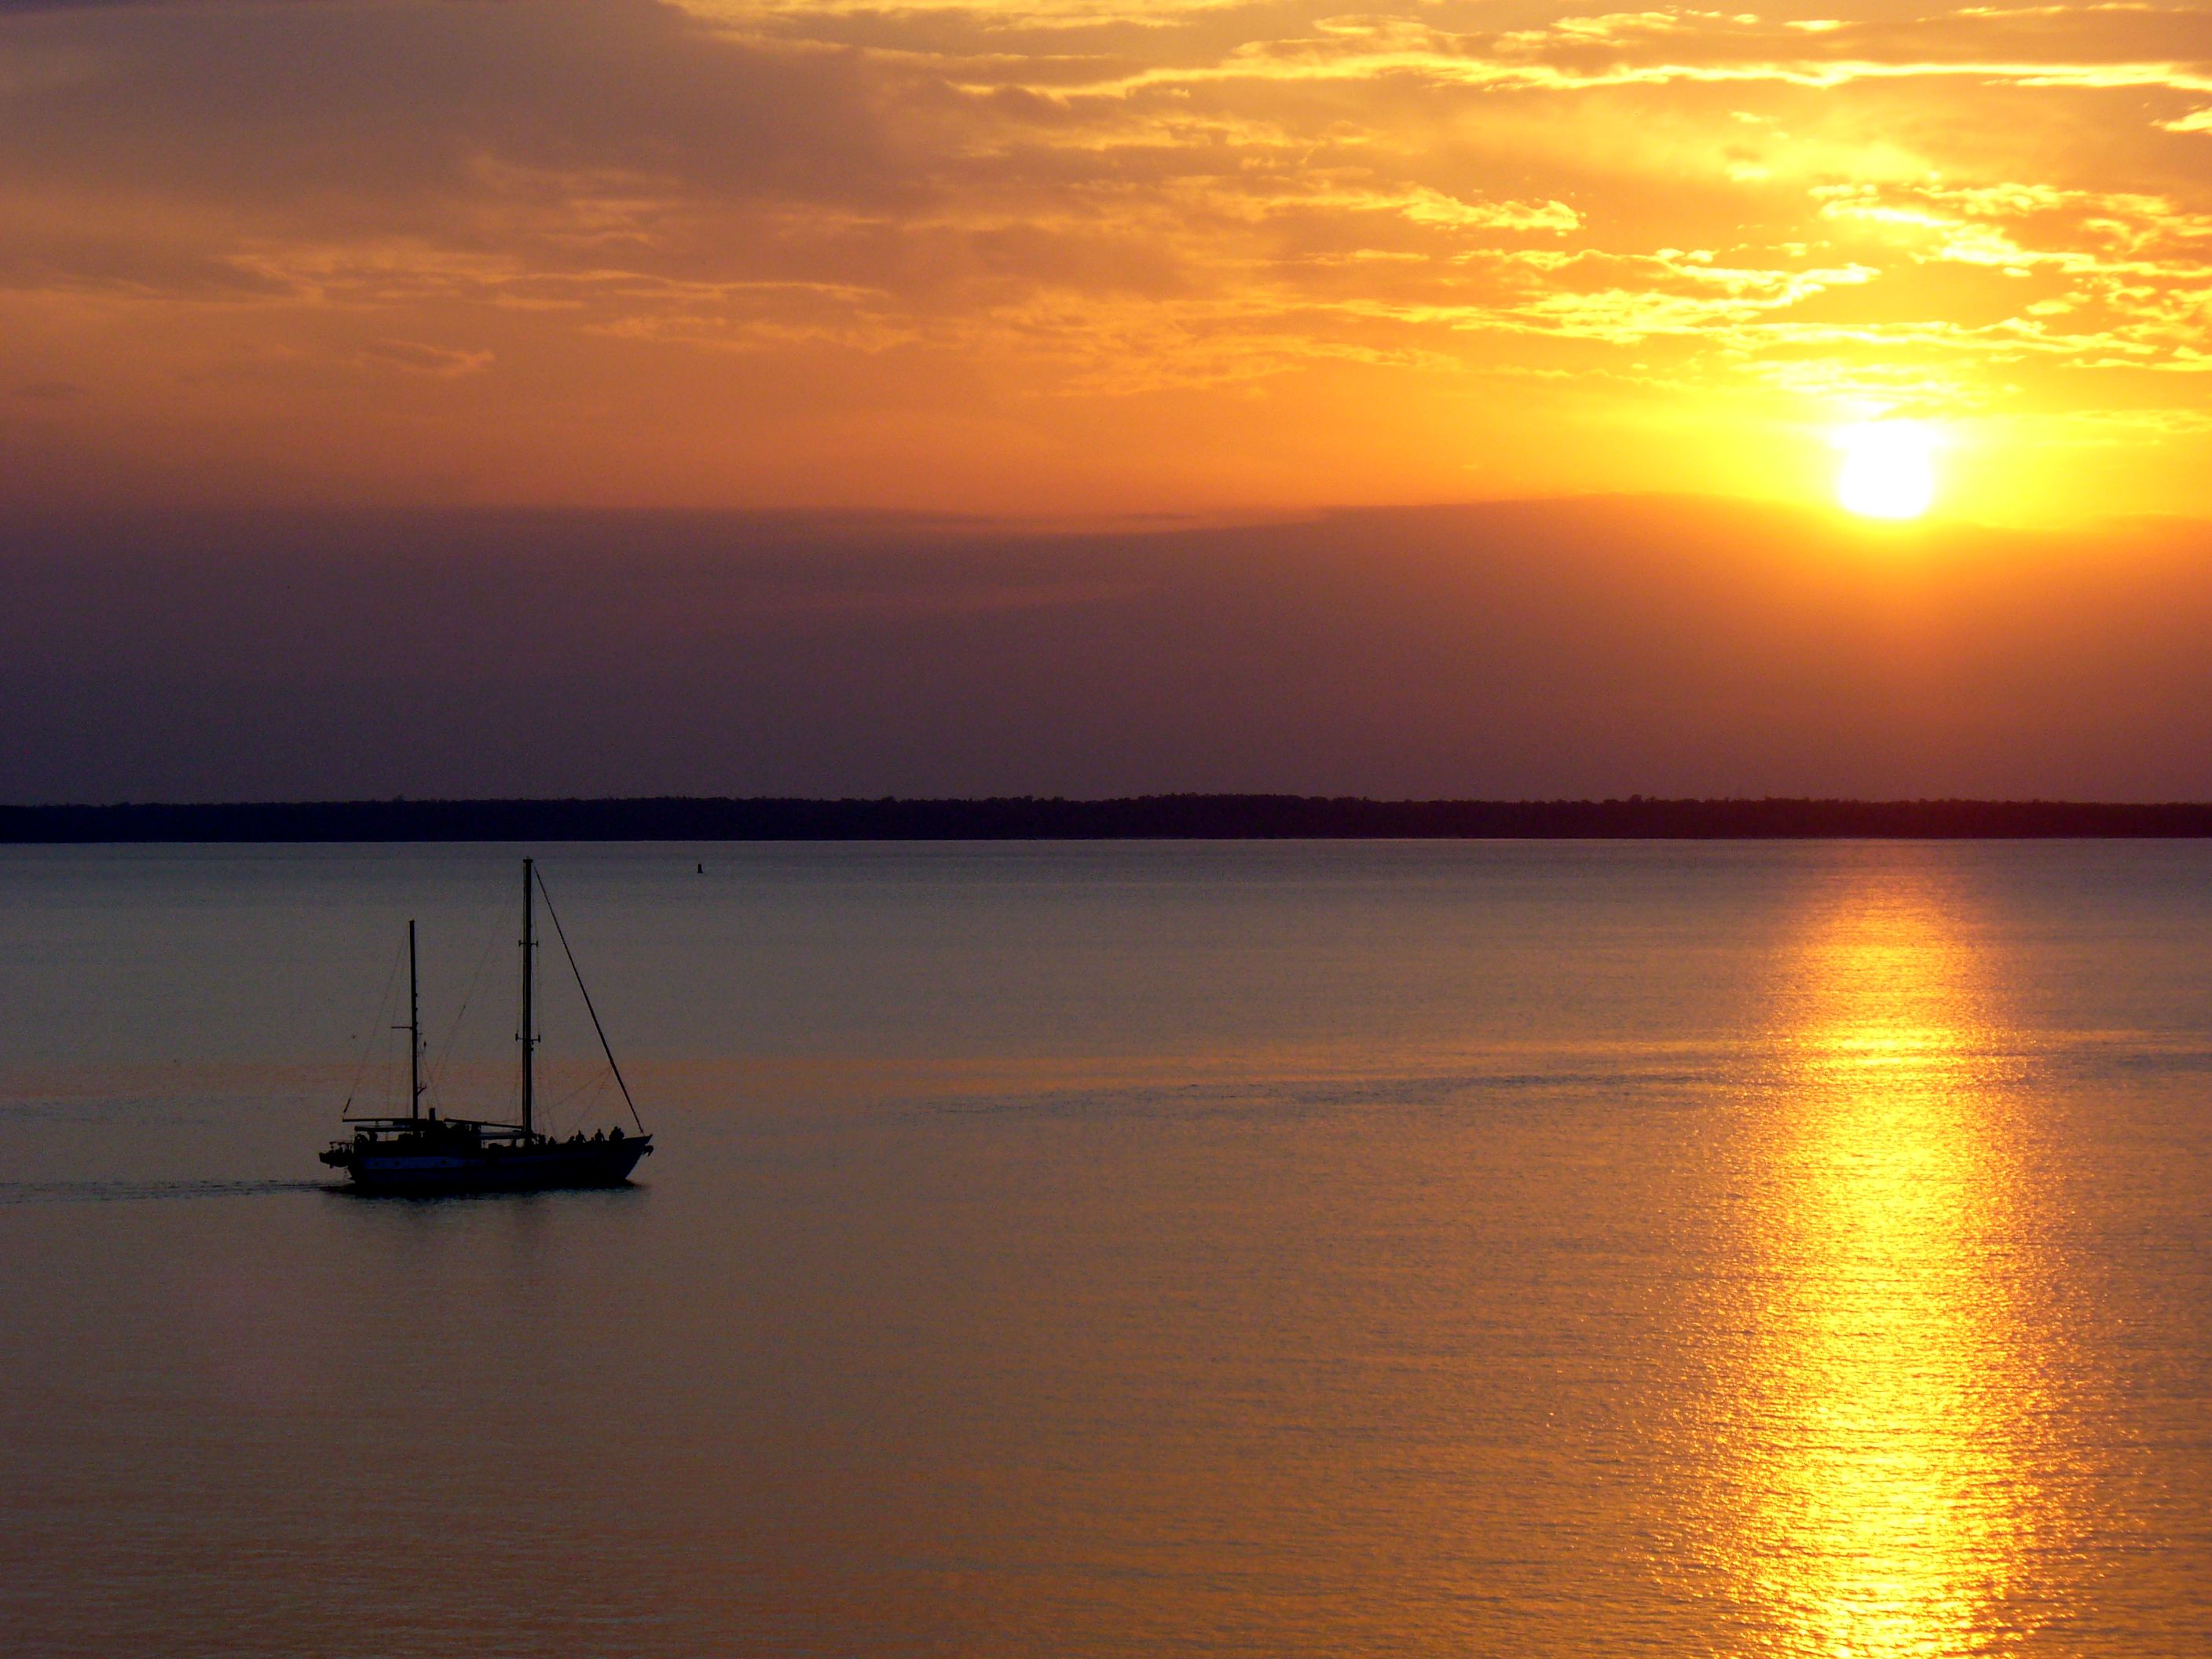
(422, 1154)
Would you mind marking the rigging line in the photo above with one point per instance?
(606, 1047)
(549, 1108)
(590, 1085)
(368, 1048)
(432, 1074)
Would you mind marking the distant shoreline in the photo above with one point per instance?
(1143, 817)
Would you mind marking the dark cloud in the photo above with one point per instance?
(1587, 647)
(414, 358)
(381, 113)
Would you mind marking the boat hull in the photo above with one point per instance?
(552, 1166)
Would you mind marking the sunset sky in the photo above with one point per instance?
(816, 397)
(1074, 257)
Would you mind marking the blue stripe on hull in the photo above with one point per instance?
(598, 1163)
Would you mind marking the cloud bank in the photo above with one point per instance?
(1536, 649)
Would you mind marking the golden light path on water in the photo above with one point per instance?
(1884, 1423)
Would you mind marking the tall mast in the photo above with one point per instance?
(414, 1031)
(529, 949)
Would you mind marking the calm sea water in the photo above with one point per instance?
(1343, 1249)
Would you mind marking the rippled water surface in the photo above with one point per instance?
(1329, 1249)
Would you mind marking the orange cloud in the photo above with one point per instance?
(1068, 255)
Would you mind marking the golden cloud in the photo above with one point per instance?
(762, 236)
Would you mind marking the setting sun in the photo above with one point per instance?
(1889, 469)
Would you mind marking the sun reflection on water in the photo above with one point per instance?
(1884, 1413)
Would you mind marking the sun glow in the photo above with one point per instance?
(1889, 469)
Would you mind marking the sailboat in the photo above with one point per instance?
(422, 1153)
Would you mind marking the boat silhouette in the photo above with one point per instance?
(422, 1154)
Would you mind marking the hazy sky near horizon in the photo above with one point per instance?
(1588, 648)
(1076, 256)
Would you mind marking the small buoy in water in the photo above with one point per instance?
(703, 869)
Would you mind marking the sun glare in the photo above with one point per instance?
(1889, 469)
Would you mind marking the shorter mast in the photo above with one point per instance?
(529, 949)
